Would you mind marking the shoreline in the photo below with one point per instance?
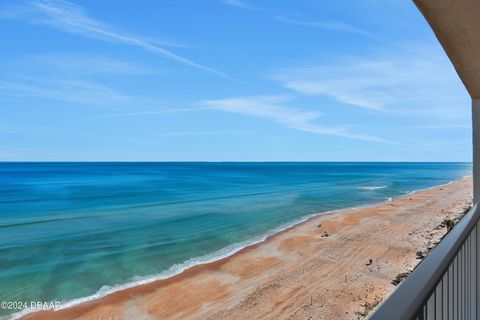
(196, 268)
(116, 294)
(192, 269)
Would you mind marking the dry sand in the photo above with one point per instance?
(335, 266)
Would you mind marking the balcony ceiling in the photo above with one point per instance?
(456, 24)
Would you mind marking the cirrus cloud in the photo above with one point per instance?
(273, 108)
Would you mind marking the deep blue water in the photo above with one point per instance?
(69, 229)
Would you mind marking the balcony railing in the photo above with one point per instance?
(445, 284)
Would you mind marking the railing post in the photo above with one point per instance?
(476, 149)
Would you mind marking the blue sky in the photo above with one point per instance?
(227, 80)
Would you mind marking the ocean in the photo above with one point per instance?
(70, 232)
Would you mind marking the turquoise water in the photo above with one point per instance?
(68, 230)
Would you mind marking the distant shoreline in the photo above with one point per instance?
(140, 289)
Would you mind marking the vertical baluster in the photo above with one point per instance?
(455, 290)
(474, 268)
(450, 289)
(430, 307)
(460, 291)
(462, 282)
(477, 275)
(439, 301)
(464, 278)
(445, 295)
(467, 278)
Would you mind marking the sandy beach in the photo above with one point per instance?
(335, 266)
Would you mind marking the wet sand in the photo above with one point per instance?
(335, 266)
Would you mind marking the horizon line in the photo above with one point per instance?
(220, 161)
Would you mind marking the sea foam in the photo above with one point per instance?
(371, 188)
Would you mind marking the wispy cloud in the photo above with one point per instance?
(73, 78)
(72, 18)
(237, 3)
(8, 128)
(77, 91)
(431, 127)
(157, 112)
(9, 11)
(405, 80)
(205, 133)
(81, 64)
(330, 24)
(272, 108)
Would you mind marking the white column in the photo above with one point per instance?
(476, 149)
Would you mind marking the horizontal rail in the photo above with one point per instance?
(444, 285)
